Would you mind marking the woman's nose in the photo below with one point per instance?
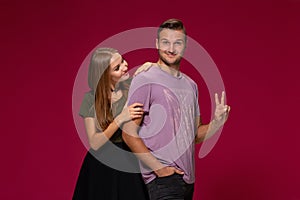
(125, 66)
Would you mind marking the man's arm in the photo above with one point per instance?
(137, 146)
(205, 131)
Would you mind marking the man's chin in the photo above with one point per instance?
(170, 62)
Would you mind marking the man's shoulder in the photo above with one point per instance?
(188, 78)
(150, 74)
(145, 79)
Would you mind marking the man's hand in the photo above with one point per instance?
(222, 110)
(167, 171)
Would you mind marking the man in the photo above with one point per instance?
(171, 125)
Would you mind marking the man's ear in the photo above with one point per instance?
(185, 44)
(156, 43)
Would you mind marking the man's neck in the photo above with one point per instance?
(172, 69)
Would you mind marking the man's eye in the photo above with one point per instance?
(178, 43)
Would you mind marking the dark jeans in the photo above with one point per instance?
(170, 187)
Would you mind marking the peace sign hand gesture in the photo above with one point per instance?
(222, 110)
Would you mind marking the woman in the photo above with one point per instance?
(103, 113)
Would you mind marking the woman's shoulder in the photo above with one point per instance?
(124, 85)
(89, 97)
(128, 81)
(87, 105)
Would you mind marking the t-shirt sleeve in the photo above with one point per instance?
(87, 106)
(197, 103)
(196, 92)
(140, 92)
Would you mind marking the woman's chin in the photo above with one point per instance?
(124, 77)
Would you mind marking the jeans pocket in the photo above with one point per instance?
(170, 180)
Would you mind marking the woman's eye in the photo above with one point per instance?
(117, 68)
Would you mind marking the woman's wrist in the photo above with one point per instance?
(119, 120)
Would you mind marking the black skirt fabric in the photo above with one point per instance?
(97, 181)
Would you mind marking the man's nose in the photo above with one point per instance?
(171, 48)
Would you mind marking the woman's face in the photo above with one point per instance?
(118, 68)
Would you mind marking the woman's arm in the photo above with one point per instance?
(97, 139)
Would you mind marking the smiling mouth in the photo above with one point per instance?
(171, 55)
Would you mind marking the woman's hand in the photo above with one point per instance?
(134, 111)
(143, 68)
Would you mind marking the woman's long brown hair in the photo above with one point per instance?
(100, 82)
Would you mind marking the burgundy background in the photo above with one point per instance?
(255, 45)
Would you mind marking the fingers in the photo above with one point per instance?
(177, 171)
(168, 171)
(144, 67)
(136, 110)
(221, 110)
(217, 99)
(227, 109)
(136, 105)
(147, 64)
(223, 98)
(137, 72)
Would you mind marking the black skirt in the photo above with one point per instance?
(98, 181)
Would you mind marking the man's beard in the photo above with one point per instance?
(176, 62)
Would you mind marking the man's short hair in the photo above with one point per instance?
(173, 24)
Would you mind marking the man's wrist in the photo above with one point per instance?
(158, 172)
(158, 169)
(216, 124)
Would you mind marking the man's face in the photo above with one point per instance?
(171, 46)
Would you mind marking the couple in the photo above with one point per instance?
(160, 125)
